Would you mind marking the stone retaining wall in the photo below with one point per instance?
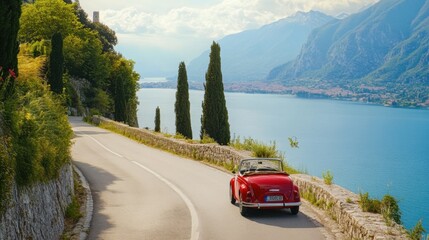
(37, 212)
(211, 152)
(342, 206)
(339, 203)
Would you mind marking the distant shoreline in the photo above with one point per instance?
(297, 91)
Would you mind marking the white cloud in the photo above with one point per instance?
(224, 18)
(160, 34)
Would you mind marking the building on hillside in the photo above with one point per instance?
(96, 17)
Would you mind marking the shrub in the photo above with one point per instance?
(207, 139)
(261, 150)
(390, 209)
(73, 210)
(327, 177)
(25, 148)
(40, 132)
(6, 170)
(417, 232)
(368, 204)
(258, 149)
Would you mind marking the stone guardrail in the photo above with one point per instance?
(340, 204)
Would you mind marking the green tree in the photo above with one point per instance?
(214, 120)
(182, 105)
(106, 35)
(10, 11)
(84, 58)
(123, 88)
(157, 120)
(56, 64)
(46, 17)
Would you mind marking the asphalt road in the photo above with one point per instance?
(144, 193)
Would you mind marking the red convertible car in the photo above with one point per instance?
(261, 183)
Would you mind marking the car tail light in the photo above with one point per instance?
(296, 194)
(248, 196)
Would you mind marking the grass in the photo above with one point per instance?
(73, 210)
(327, 177)
(30, 67)
(73, 214)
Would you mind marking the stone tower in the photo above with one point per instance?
(96, 17)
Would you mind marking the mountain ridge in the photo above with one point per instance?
(250, 55)
(386, 45)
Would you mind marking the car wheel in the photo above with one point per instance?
(244, 211)
(231, 196)
(294, 210)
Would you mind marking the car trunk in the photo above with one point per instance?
(271, 185)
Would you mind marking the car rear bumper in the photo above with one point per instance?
(271, 205)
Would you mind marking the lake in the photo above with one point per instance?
(367, 148)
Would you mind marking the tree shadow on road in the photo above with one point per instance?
(100, 222)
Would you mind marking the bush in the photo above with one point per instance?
(390, 209)
(6, 170)
(417, 232)
(73, 210)
(207, 139)
(257, 148)
(40, 132)
(327, 177)
(264, 151)
(368, 204)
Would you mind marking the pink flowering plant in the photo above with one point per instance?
(6, 79)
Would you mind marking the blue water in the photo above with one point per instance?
(368, 148)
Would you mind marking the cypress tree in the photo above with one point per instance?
(214, 120)
(119, 100)
(56, 64)
(182, 105)
(10, 11)
(157, 120)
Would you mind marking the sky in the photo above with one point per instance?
(158, 34)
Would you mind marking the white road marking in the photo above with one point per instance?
(106, 148)
(189, 204)
(191, 207)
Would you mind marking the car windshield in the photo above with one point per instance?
(260, 165)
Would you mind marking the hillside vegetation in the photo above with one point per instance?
(35, 135)
(377, 55)
(97, 80)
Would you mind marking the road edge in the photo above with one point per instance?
(82, 227)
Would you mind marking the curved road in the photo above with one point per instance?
(144, 193)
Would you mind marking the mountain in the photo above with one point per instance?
(385, 45)
(250, 55)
